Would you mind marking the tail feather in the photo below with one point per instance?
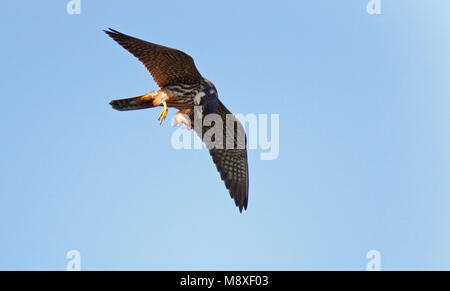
(133, 103)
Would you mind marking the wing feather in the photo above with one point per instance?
(231, 163)
(167, 66)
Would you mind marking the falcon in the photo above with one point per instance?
(181, 86)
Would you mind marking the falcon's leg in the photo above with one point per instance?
(163, 113)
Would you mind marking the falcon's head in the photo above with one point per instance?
(207, 98)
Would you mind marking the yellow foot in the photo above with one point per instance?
(163, 113)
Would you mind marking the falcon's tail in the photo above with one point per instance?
(133, 103)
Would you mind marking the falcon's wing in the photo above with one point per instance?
(233, 168)
(167, 66)
(232, 163)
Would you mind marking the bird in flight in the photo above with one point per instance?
(182, 86)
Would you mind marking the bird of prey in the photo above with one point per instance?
(182, 86)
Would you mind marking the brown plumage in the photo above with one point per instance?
(167, 66)
(182, 87)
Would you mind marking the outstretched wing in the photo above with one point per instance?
(233, 168)
(167, 66)
(232, 162)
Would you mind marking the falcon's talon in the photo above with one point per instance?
(163, 113)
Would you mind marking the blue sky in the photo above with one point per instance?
(364, 159)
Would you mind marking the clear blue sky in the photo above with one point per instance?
(364, 104)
